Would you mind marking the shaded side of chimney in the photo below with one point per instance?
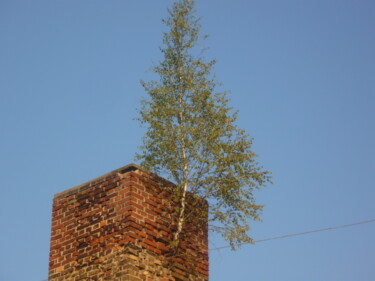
(119, 227)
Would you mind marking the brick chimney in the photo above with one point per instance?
(119, 227)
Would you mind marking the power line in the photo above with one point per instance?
(302, 233)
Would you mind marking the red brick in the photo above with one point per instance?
(122, 217)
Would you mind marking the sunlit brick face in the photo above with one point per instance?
(119, 227)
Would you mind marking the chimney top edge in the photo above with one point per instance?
(128, 168)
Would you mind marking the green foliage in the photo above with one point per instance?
(191, 133)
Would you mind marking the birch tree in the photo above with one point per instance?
(192, 137)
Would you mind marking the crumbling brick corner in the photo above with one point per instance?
(120, 227)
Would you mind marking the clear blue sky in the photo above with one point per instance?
(301, 73)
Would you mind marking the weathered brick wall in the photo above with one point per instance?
(119, 227)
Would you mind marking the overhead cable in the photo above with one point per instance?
(301, 233)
